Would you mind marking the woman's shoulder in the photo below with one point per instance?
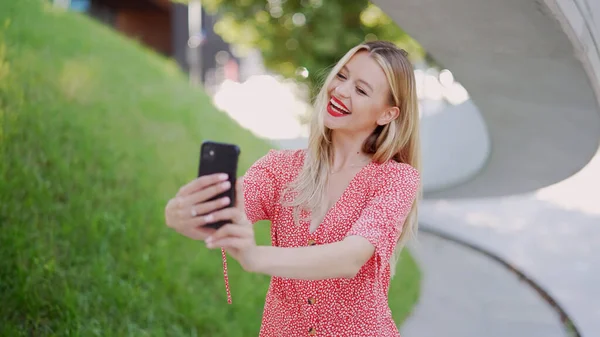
(393, 172)
(278, 160)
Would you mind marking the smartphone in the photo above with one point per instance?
(218, 157)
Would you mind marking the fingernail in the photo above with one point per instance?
(226, 184)
(223, 176)
(208, 218)
(225, 201)
(208, 240)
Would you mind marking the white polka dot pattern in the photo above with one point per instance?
(374, 205)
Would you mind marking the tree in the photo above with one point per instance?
(301, 39)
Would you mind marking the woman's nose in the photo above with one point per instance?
(342, 90)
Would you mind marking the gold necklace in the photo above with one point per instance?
(349, 166)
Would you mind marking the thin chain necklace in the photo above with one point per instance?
(349, 166)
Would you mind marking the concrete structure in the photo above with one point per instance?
(455, 145)
(532, 68)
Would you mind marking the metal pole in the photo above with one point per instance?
(195, 40)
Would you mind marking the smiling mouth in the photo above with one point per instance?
(338, 106)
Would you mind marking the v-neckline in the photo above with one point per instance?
(339, 199)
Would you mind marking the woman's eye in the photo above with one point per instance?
(341, 76)
(360, 91)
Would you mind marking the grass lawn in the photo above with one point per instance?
(96, 134)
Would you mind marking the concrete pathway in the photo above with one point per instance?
(558, 249)
(467, 294)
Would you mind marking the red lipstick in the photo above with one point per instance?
(340, 103)
(334, 113)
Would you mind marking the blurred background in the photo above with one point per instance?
(104, 104)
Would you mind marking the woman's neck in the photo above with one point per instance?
(347, 151)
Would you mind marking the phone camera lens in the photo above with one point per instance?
(211, 153)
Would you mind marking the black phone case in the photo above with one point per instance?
(218, 157)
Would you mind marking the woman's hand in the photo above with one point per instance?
(237, 237)
(190, 209)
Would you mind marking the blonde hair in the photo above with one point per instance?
(397, 140)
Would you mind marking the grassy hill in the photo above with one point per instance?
(96, 134)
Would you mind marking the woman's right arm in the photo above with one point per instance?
(184, 212)
(261, 189)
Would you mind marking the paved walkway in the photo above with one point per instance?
(552, 236)
(558, 249)
(467, 294)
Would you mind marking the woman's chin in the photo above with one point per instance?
(331, 123)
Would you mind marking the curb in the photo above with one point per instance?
(568, 324)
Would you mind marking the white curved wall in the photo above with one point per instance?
(455, 145)
(531, 68)
(581, 21)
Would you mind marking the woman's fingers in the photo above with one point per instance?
(195, 233)
(198, 222)
(173, 212)
(232, 214)
(205, 194)
(208, 193)
(193, 229)
(228, 243)
(190, 210)
(231, 230)
(201, 183)
(204, 208)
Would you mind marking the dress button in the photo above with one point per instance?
(312, 242)
(312, 300)
(312, 331)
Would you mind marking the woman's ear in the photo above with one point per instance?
(388, 115)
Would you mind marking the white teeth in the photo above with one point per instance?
(335, 104)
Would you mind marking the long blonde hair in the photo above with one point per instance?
(397, 140)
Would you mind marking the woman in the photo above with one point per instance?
(339, 209)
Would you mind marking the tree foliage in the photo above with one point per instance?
(301, 39)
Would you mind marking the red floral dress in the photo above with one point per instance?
(374, 205)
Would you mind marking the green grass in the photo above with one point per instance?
(96, 134)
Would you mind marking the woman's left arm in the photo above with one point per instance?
(334, 260)
(341, 259)
(376, 232)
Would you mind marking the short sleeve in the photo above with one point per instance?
(260, 189)
(381, 221)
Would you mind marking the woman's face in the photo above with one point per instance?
(359, 97)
